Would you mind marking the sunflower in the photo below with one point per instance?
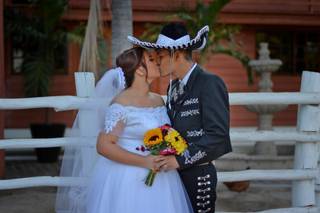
(153, 137)
(176, 141)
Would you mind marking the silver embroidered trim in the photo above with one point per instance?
(196, 157)
(203, 177)
(190, 112)
(204, 211)
(203, 197)
(203, 204)
(195, 133)
(191, 101)
(204, 190)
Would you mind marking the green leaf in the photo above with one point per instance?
(77, 34)
(37, 73)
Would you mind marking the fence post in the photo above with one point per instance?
(306, 153)
(85, 84)
(318, 184)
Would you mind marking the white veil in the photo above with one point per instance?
(79, 161)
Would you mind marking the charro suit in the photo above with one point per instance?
(201, 115)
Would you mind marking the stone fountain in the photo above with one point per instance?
(265, 66)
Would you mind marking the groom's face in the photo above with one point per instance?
(163, 61)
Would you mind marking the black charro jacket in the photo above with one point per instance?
(201, 115)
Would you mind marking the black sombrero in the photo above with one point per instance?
(174, 36)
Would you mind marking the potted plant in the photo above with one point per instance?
(39, 34)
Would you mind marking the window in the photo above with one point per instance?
(17, 56)
(298, 50)
(20, 52)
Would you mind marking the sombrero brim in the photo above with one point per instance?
(197, 42)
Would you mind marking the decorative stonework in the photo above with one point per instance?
(265, 66)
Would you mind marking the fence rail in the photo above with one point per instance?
(42, 143)
(261, 136)
(273, 175)
(64, 103)
(58, 102)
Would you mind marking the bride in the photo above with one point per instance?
(115, 184)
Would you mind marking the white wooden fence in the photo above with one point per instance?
(305, 175)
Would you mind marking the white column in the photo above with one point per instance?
(318, 184)
(306, 153)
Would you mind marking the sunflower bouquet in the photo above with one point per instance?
(163, 140)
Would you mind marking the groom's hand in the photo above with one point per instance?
(166, 163)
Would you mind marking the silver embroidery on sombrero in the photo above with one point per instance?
(181, 43)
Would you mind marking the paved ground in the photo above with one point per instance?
(259, 196)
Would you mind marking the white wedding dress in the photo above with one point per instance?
(120, 188)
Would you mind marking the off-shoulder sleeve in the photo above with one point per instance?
(115, 120)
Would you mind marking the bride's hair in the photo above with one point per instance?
(129, 61)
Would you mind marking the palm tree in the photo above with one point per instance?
(121, 26)
(221, 38)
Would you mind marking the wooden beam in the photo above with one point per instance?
(274, 175)
(236, 136)
(224, 17)
(62, 103)
(249, 12)
(269, 19)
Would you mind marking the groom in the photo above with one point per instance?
(198, 108)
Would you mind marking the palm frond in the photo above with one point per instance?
(37, 74)
(77, 34)
(214, 9)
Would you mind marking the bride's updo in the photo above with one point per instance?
(129, 61)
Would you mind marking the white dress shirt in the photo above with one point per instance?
(187, 76)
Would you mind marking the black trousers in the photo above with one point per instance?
(200, 182)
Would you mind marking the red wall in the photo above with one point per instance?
(248, 13)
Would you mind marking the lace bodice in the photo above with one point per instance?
(131, 122)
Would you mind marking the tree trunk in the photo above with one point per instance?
(2, 89)
(121, 26)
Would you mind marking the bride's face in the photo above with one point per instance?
(151, 63)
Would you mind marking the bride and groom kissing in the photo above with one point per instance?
(197, 107)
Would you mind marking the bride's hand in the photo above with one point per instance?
(150, 162)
